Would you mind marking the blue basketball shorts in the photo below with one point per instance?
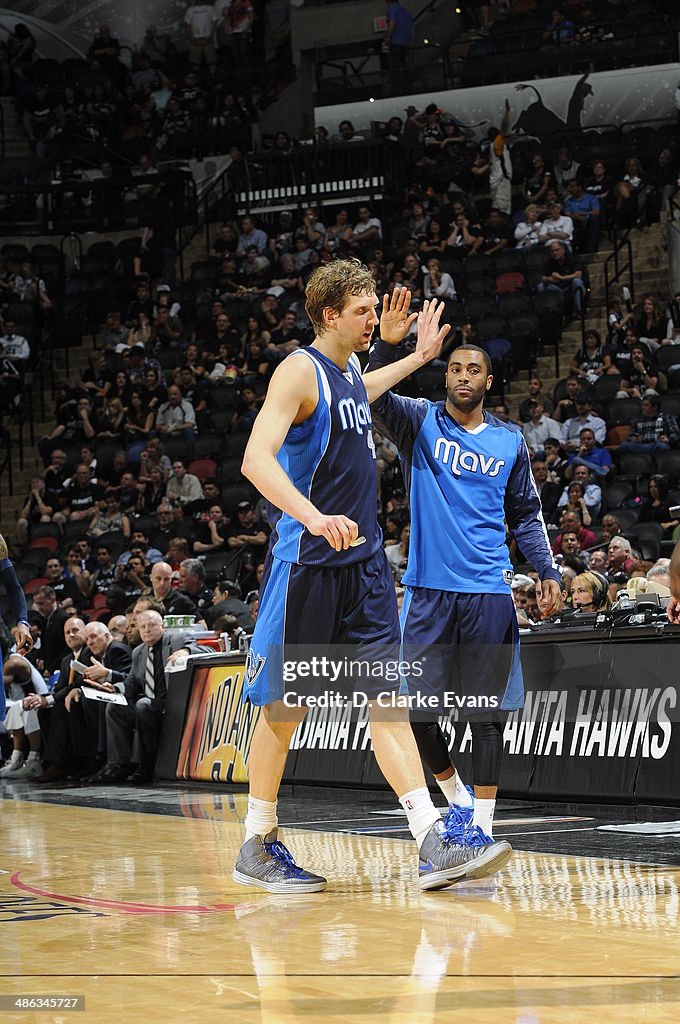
(467, 647)
(315, 611)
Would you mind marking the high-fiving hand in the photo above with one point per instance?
(395, 319)
(430, 334)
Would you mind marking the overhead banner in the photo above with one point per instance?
(538, 109)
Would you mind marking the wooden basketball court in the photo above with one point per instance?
(125, 898)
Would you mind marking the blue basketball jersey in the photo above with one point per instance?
(463, 485)
(330, 458)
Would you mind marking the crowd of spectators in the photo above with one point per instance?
(567, 38)
(176, 94)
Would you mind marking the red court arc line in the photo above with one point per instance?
(126, 907)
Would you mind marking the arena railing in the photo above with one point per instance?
(551, 60)
(361, 70)
(673, 242)
(330, 175)
(41, 206)
(619, 268)
(6, 476)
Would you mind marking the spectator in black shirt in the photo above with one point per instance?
(104, 49)
(561, 275)
(81, 497)
(288, 336)
(222, 333)
(74, 425)
(168, 527)
(496, 232)
(258, 364)
(601, 185)
(55, 476)
(97, 380)
(174, 601)
(617, 360)
(642, 373)
(649, 323)
(142, 304)
(212, 535)
(155, 392)
(163, 229)
(67, 590)
(226, 242)
(244, 533)
(132, 577)
(169, 329)
(99, 581)
(192, 583)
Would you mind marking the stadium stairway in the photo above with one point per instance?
(650, 267)
(18, 154)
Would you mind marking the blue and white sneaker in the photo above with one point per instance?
(267, 864)
(457, 815)
(474, 836)
(455, 855)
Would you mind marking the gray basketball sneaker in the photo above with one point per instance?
(267, 864)
(445, 859)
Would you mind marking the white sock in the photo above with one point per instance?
(448, 788)
(454, 790)
(463, 798)
(17, 757)
(34, 755)
(420, 811)
(261, 817)
(483, 815)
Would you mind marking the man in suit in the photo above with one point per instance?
(52, 644)
(77, 734)
(133, 729)
(55, 722)
(111, 659)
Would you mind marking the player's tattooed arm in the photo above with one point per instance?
(3, 548)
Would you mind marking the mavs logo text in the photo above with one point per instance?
(450, 454)
(354, 415)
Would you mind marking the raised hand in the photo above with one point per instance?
(430, 334)
(395, 321)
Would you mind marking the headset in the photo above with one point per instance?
(601, 588)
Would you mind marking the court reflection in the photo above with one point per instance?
(551, 938)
